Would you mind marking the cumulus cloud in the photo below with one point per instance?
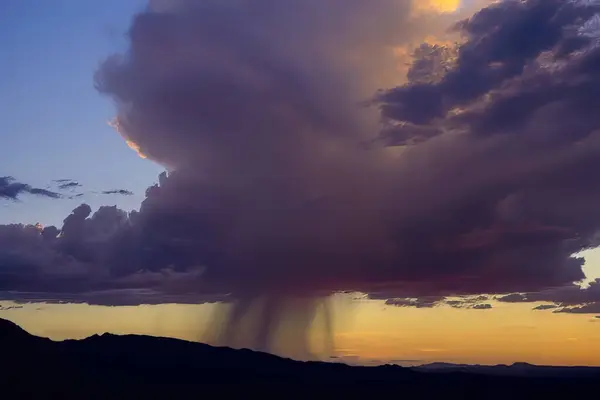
(279, 182)
(12, 189)
(28, 262)
(76, 263)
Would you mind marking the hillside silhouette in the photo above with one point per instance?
(132, 365)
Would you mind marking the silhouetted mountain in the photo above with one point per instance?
(103, 366)
(519, 369)
(11, 331)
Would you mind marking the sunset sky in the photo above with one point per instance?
(426, 187)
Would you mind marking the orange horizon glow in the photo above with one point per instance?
(369, 331)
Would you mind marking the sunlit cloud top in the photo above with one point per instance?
(443, 6)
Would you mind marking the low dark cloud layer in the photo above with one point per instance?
(466, 302)
(543, 307)
(568, 295)
(592, 308)
(566, 299)
(422, 302)
(8, 308)
(481, 180)
(12, 189)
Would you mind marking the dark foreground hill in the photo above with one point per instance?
(131, 366)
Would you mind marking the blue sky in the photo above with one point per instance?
(54, 123)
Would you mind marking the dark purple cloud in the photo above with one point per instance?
(520, 110)
(74, 264)
(11, 189)
(123, 192)
(502, 42)
(68, 185)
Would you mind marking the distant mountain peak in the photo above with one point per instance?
(522, 364)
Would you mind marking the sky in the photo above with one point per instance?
(54, 121)
(379, 187)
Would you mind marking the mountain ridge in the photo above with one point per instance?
(138, 364)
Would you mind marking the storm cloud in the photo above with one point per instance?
(261, 128)
(301, 162)
(268, 175)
